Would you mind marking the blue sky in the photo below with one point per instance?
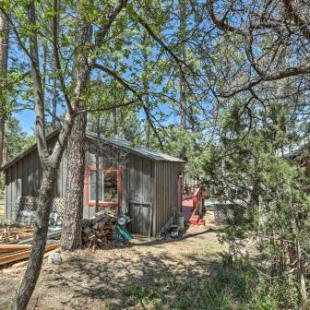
(26, 119)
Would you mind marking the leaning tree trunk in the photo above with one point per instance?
(71, 238)
(29, 281)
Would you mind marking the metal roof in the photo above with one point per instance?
(122, 144)
(138, 149)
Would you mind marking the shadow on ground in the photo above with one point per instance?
(177, 275)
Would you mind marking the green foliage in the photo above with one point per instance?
(188, 145)
(252, 155)
(16, 140)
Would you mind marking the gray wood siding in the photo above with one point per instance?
(8, 196)
(151, 186)
(166, 196)
(24, 177)
(140, 193)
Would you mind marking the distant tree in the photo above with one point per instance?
(261, 84)
(16, 140)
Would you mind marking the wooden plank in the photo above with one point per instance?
(138, 178)
(13, 257)
(124, 206)
(131, 177)
(50, 234)
(13, 247)
(146, 180)
(24, 177)
(8, 197)
(152, 196)
(29, 176)
(146, 220)
(35, 174)
(134, 213)
(13, 190)
(19, 180)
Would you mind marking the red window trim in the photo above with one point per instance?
(119, 186)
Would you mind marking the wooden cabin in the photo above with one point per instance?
(133, 180)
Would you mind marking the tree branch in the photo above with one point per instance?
(132, 90)
(56, 54)
(100, 35)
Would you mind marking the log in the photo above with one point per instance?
(98, 230)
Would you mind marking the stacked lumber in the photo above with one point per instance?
(98, 231)
(15, 243)
(15, 252)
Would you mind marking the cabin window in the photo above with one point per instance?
(109, 186)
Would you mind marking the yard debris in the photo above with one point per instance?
(103, 229)
(5, 248)
(55, 258)
(16, 242)
(22, 254)
(14, 232)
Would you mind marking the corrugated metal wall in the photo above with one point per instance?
(166, 194)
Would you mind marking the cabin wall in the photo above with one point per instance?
(140, 194)
(23, 179)
(108, 156)
(149, 188)
(166, 194)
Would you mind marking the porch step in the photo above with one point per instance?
(195, 220)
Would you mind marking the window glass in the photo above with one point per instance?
(107, 185)
(93, 185)
(110, 186)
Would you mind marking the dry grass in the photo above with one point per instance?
(148, 275)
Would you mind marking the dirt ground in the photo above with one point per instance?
(148, 274)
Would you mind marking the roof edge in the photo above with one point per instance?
(27, 151)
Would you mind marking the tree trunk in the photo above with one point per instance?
(4, 43)
(71, 238)
(29, 281)
(50, 166)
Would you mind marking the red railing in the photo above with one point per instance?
(197, 197)
(197, 207)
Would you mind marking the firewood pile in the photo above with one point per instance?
(100, 230)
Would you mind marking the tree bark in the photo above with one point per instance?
(50, 165)
(71, 238)
(31, 276)
(4, 44)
